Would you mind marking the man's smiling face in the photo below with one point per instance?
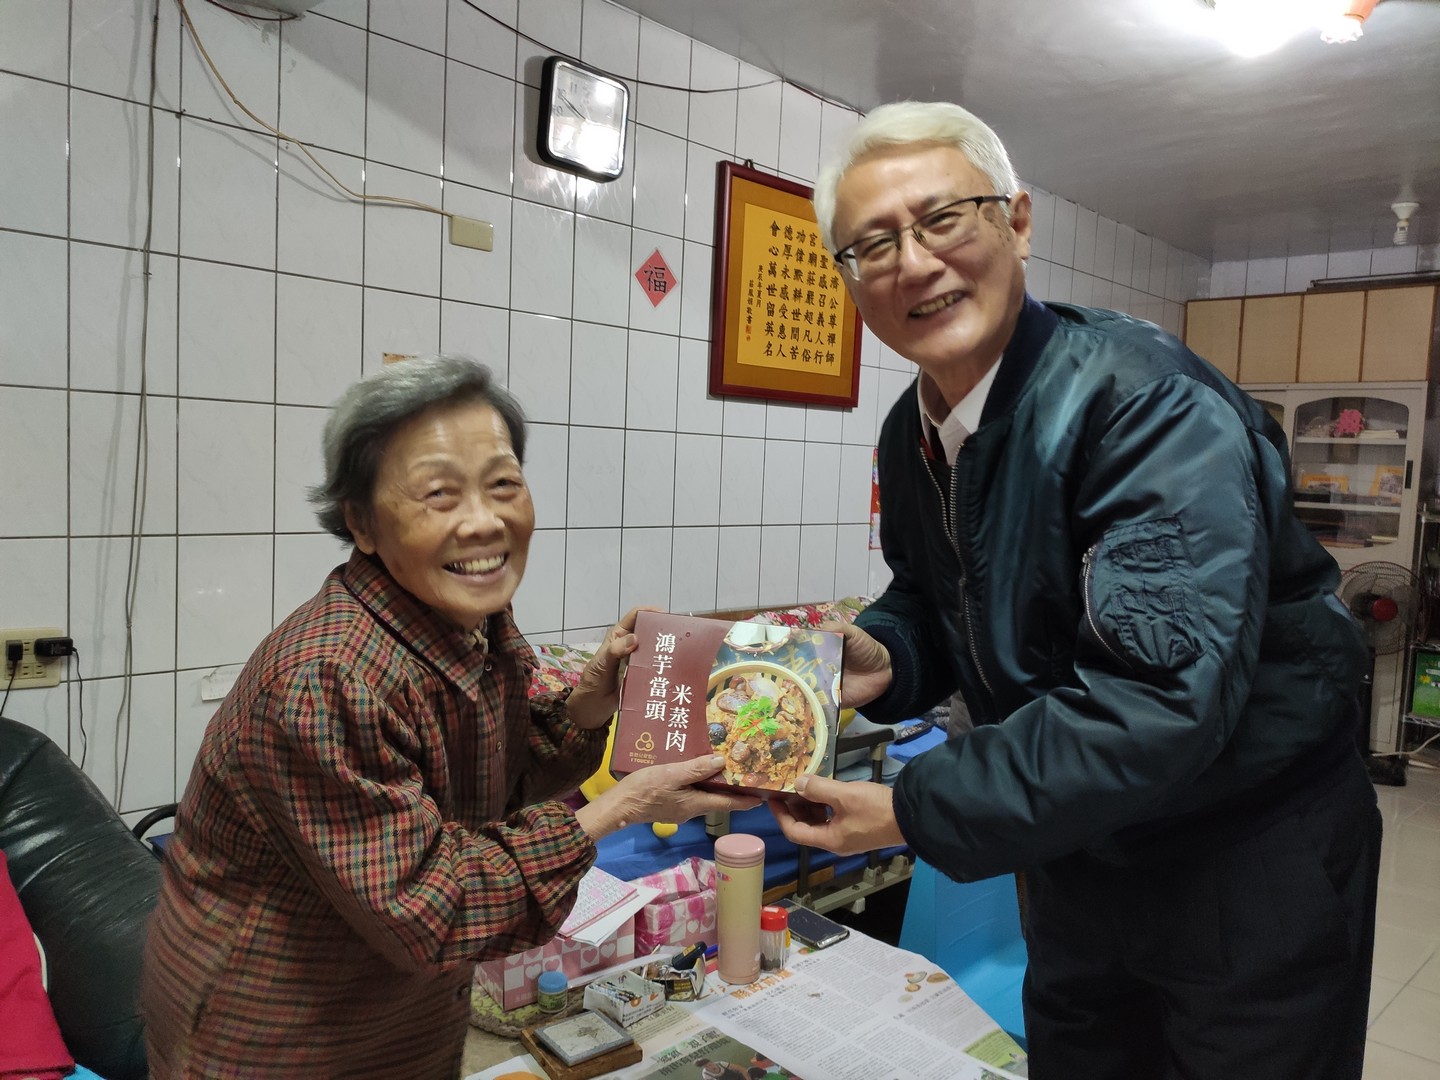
(950, 314)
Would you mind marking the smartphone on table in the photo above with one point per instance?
(810, 927)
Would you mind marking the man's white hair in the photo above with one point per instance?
(905, 122)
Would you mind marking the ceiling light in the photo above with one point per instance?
(1257, 27)
(1403, 212)
(1345, 24)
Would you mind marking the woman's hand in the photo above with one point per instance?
(867, 673)
(839, 816)
(659, 793)
(597, 695)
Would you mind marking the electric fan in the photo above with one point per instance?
(1385, 600)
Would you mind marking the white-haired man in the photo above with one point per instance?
(1091, 537)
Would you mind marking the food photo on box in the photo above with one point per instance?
(765, 698)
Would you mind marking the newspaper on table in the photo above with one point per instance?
(861, 1011)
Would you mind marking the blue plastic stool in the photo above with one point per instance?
(971, 930)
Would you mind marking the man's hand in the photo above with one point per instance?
(839, 816)
(597, 695)
(867, 673)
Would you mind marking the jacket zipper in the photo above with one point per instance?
(1087, 564)
(948, 515)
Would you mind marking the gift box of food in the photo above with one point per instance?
(765, 698)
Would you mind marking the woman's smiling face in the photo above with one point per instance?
(451, 516)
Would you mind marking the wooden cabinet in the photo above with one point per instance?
(1332, 326)
(1399, 326)
(1270, 339)
(1212, 330)
(1360, 335)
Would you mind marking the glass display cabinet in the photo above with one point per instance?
(1355, 457)
(1355, 467)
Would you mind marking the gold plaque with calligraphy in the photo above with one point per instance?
(782, 324)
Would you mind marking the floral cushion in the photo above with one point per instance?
(560, 665)
(809, 616)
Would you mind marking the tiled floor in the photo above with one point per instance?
(1404, 1040)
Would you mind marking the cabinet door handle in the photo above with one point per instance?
(1409, 467)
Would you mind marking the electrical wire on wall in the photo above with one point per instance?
(395, 200)
(251, 15)
(123, 720)
(80, 687)
(392, 200)
(643, 82)
(14, 667)
(121, 751)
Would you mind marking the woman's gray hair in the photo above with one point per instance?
(368, 414)
(905, 122)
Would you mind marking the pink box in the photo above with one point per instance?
(683, 913)
(511, 981)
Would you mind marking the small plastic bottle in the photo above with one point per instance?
(774, 937)
(740, 870)
(551, 990)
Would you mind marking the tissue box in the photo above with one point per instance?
(511, 981)
(763, 697)
(625, 998)
(683, 913)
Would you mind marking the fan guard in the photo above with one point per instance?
(1385, 599)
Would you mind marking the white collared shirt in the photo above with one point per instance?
(955, 428)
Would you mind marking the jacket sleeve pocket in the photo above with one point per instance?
(1140, 596)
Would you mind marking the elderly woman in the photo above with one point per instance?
(373, 809)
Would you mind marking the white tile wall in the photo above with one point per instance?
(1080, 257)
(592, 576)
(33, 129)
(321, 230)
(226, 343)
(597, 458)
(246, 52)
(779, 564)
(651, 381)
(645, 559)
(33, 288)
(401, 252)
(270, 291)
(227, 189)
(477, 40)
(695, 572)
(1251, 277)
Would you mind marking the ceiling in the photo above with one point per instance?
(1133, 109)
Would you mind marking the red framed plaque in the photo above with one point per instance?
(782, 324)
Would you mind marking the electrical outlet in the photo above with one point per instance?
(471, 233)
(32, 671)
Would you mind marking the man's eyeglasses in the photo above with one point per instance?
(940, 230)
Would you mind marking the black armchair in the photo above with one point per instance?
(87, 885)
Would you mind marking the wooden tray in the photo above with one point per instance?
(556, 1069)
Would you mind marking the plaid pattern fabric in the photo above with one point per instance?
(366, 819)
